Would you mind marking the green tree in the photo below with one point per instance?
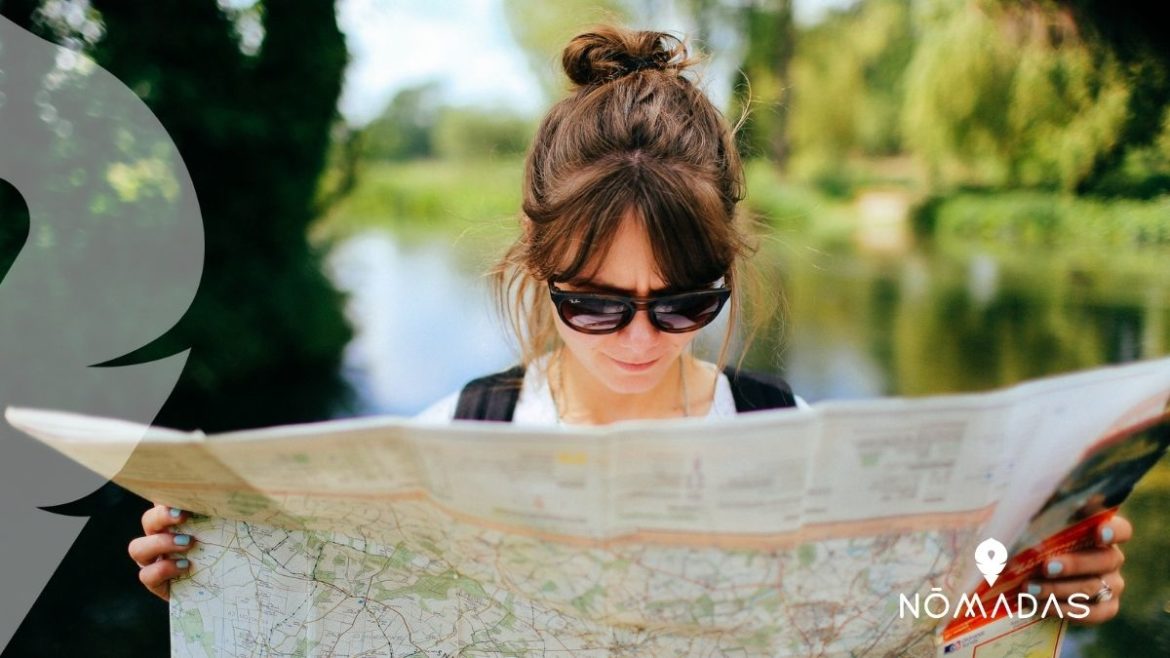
(1134, 34)
(254, 131)
(848, 75)
(1012, 96)
(766, 92)
(404, 130)
(266, 329)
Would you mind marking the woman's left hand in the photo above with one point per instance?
(1088, 572)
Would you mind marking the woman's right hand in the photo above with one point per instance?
(152, 552)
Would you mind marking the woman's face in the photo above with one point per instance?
(635, 358)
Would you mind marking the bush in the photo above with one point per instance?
(1031, 219)
(463, 133)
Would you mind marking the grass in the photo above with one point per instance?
(428, 197)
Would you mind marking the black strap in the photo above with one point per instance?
(494, 397)
(756, 391)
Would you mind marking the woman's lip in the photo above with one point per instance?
(634, 367)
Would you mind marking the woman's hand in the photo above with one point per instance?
(1088, 572)
(152, 552)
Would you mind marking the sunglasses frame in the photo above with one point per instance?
(635, 304)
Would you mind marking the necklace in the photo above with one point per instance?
(560, 406)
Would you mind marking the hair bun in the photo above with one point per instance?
(608, 53)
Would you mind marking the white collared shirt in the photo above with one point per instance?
(535, 405)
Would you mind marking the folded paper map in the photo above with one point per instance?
(782, 533)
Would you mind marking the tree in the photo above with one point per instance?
(405, 128)
(266, 329)
(1011, 97)
(254, 133)
(1133, 32)
(766, 94)
(849, 73)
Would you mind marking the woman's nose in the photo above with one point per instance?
(640, 331)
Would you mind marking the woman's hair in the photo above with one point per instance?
(635, 138)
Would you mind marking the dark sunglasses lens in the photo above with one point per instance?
(687, 313)
(593, 315)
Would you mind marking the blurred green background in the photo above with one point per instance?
(957, 195)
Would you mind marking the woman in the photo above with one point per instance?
(631, 243)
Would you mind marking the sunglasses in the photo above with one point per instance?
(598, 313)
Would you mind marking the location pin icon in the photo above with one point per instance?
(990, 557)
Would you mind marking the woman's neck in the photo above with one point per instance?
(686, 389)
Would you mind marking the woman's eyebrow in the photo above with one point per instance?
(594, 286)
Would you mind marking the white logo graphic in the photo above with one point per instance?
(990, 557)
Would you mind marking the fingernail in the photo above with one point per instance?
(182, 540)
(1033, 589)
(183, 564)
(1107, 535)
(1054, 568)
(176, 512)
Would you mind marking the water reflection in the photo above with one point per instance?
(423, 325)
(927, 324)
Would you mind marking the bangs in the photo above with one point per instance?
(689, 228)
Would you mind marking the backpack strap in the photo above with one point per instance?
(492, 397)
(757, 391)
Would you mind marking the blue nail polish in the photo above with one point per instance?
(182, 540)
(183, 564)
(1033, 589)
(176, 512)
(1054, 568)
(1107, 535)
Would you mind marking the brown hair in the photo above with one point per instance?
(634, 137)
